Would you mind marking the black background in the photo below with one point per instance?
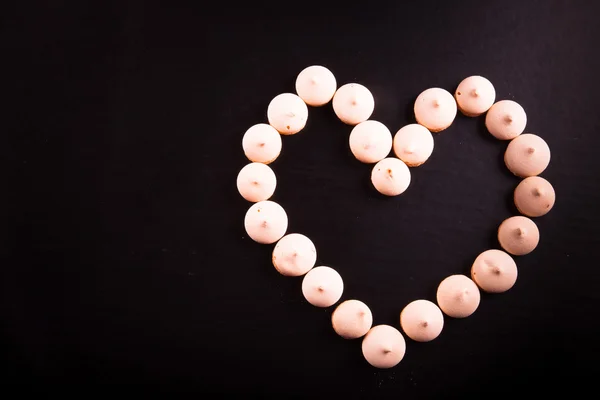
(125, 257)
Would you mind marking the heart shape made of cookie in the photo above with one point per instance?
(392, 156)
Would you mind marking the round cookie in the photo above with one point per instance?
(534, 196)
(287, 113)
(256, 182)
(506, 120)
(316, 85)
(475, 95)
(266, 222)
(494, 271)
(422, 320)
(458, 296)
(262, 143)
(383, 346)
(413, 144)
(370, 141)
(352, 319)
(322, 286)
(353, 103)
(527, 155)
(518, 235)
(294, 255)
(435, 109)
(390, 176)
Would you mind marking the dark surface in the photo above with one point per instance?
(125, 257)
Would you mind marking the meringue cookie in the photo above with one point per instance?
(534, 196)
(262, 143)
(494, 271)
(475, 95)
(413, 144)
(527, 155)
(390, 176)
(352, 319)
(370, 141)
(316, 85)
(506, 120)
(353, 103)
(518, 235)
(322, 286)
(266, 222)
(435, 109)
(287, 113)
(422, 320)
(294, 255)
(383, 346)
(256, 182)
(458, 296)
